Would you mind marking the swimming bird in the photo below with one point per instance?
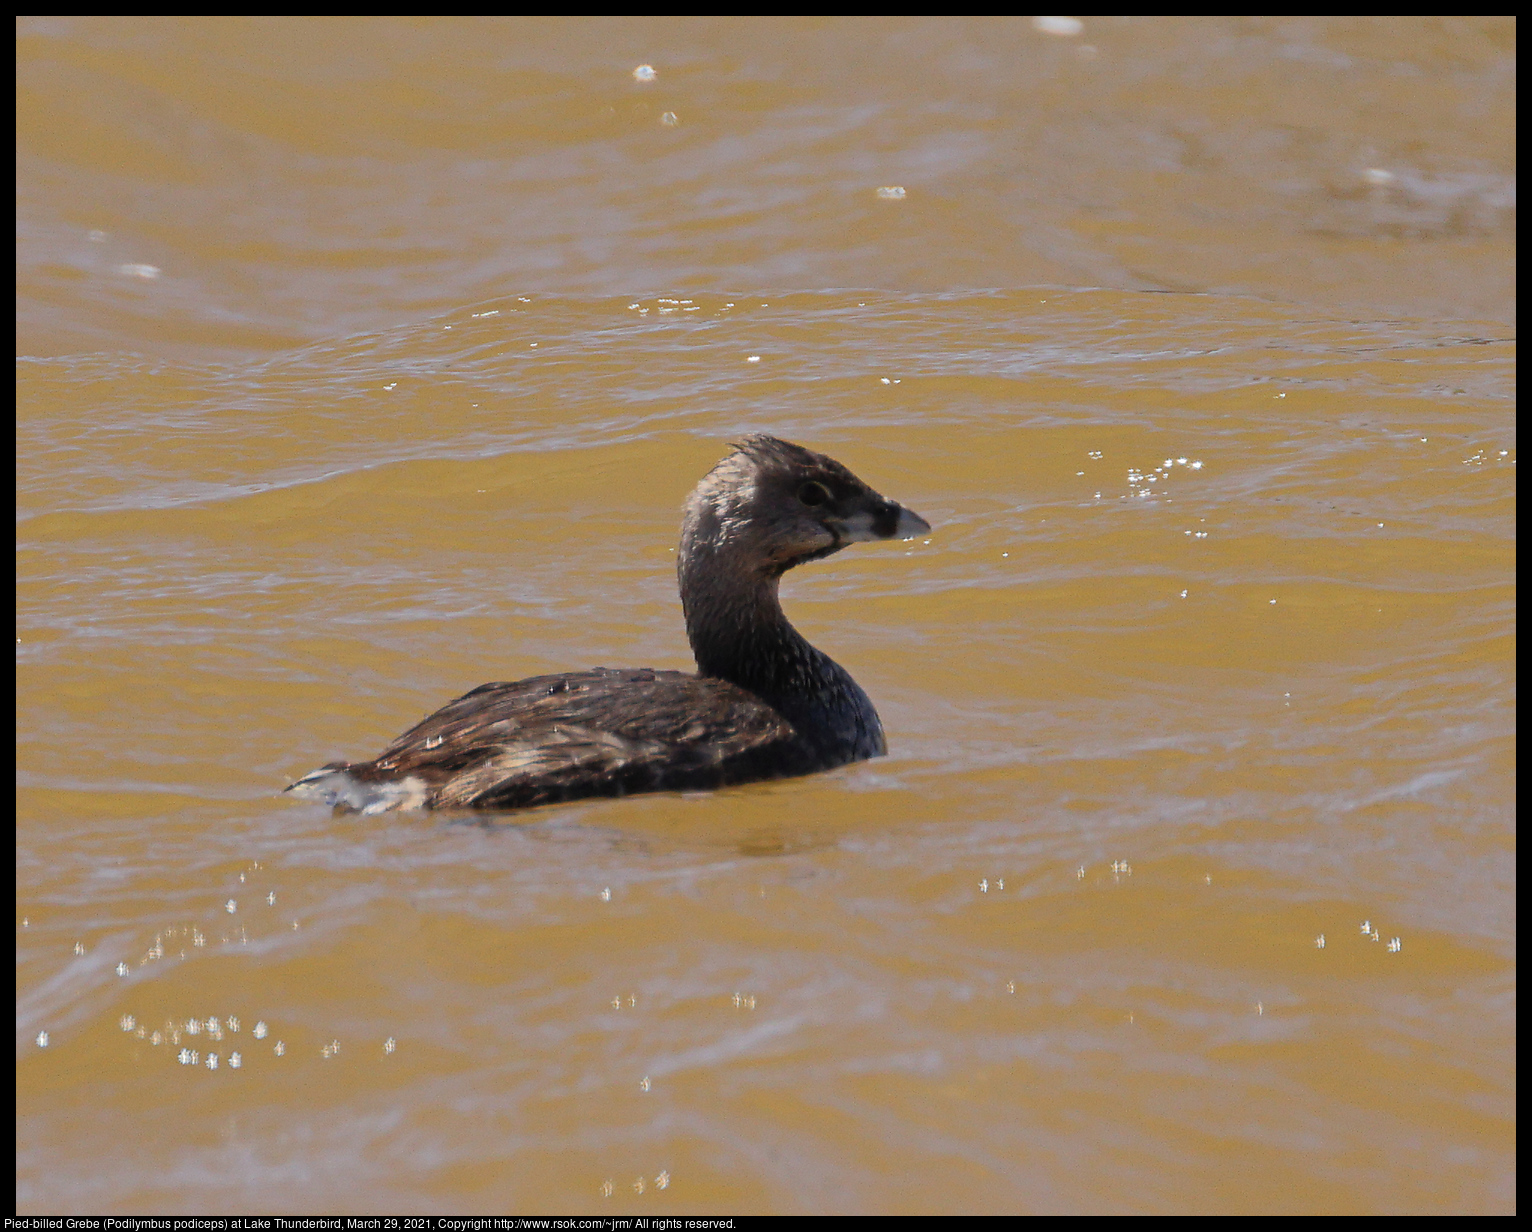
(763, 703)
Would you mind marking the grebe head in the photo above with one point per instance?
(771, 505)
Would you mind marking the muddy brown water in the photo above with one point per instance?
(362, 362)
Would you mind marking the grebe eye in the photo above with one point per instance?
(813, 493)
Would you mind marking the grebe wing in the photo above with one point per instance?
(601, 732)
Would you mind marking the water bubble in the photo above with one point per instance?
(644, 72)
(891, 192)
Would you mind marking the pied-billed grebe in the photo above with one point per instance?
(764, 703)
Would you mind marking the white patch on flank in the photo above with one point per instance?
(337, 787)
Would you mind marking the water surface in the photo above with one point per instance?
(362, 362)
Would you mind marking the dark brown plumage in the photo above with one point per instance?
(764, 704)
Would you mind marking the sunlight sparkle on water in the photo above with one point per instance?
(1059, 27)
